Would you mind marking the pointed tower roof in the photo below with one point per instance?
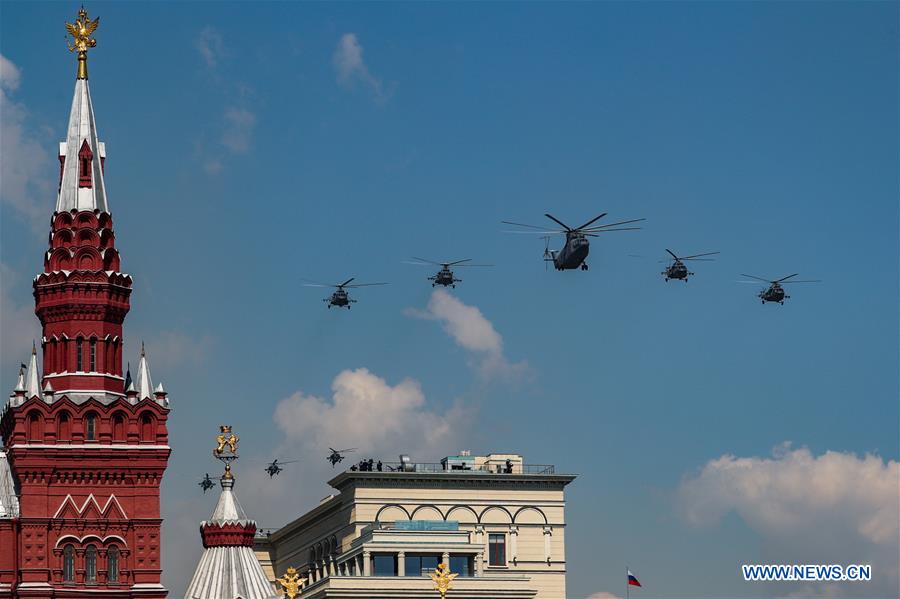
(82, 186)
(32, 379)
(144, 384)
(9, 501)
(228, 568)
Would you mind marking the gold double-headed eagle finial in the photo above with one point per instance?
(226, 442)
(81, 30)
(443, 579)
(290, 583)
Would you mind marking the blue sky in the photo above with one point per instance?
(253, 145)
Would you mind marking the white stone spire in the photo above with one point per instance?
(82, 186)
(144, 385)
(32, 379)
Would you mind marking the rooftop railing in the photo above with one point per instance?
(438, 468)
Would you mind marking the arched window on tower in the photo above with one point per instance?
(79, 355)
(90, 427)
(112, 564)
(148, 428)
(68, 563)
(35, 427)
(90, 565)
(118, 427)
(93, 360)
(85, 156)
(63, 426)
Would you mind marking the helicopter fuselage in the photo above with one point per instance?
(340, 298)
(775, 293)
(572, 254)
(444, 277)
(677, 270)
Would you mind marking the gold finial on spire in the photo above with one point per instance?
(226, 441)
(81, 30)
(290, 582)
(442, 579)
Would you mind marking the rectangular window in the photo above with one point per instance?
(93, 355)
(421, 565)
(79, 346)
(497, 550)
(461, 564)
(384, 564)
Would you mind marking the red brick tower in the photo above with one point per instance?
(84, 455)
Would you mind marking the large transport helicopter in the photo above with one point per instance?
(775, 291)
(340, 298)
(337, 455)
(445, 275)
(275, 467)
(575, 251)
(677, 268)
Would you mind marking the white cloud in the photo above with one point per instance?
(470, 330)
(26, 170)
(351, 68)
(832, 508)
(168, 350)
(603, 595)
(210, 45)
(239, 125)
(365, 411)
(18, 324)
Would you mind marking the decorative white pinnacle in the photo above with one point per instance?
(144, 384)
(32, 380)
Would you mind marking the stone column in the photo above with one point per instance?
(480, 539)
(548, 532)
(479, 563)
(367, 563)
(513, 543)
(446, 559)
(401, 563)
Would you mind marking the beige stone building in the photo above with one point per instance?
(496, 521)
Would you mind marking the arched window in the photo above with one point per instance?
(90, 565)
(112, 564)
(93, 360)
(69, 563)
(148, 429)
(118, 427)
(90, 427)
(63, 427)
(35, 432)
(79, 355)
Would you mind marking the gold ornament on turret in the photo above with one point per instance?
(290, 583)
(443, 579)
(81, 30)
(226, 442)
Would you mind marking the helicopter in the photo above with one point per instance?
(677, 269)
(337, 455)
(275, 468)
(340, 298)
(775, 291)
(206, 484)
(575, 251)
(445, 275)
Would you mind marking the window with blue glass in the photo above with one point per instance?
(418, 564)
(384, 564)
(461, 564)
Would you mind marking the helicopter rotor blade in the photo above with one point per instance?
(559, 222)
(803, 281)
(457, 262)
(593, 220)
(507, 222)
(695, 256)
(597, 233)
(363, 285)
(786, 278)
(757, 278)
(624, 222)
(672, 253)
(427, 261)
(474, 265)
(344, 284)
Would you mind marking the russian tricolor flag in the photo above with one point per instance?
(632, 580)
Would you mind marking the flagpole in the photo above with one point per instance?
(626, 583)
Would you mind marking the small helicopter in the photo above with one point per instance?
(445, 275)
(775, 291)
(677, 268)
(337, 456)
(206, 484)
(340, 297)
(275, 467)
(575, 251)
